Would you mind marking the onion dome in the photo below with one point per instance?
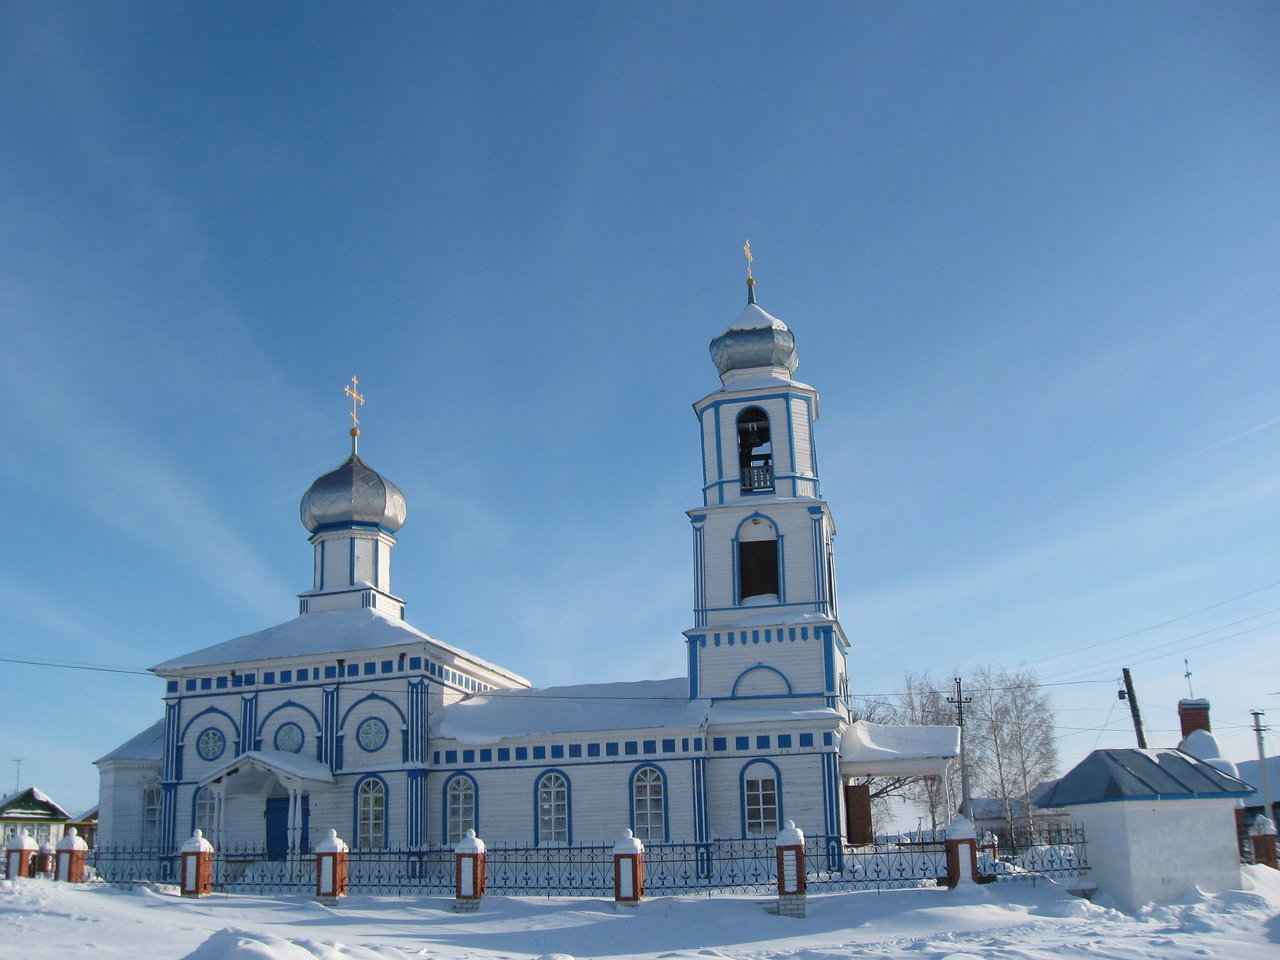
(353, 495)
(755, 339)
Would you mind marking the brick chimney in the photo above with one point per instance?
(1194, 715)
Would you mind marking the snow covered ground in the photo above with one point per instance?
(41, 920)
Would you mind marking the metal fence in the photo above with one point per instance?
(1028, 855)
(724, 866)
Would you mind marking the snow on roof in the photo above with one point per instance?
(35, 795)
(277, 761)
(1250, 774)
(497, 714)
(324, 633)
(864, 741)
(1134, 774)
(147, 745)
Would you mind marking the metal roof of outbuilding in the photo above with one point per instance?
(1163, 774)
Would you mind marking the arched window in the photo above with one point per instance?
(648, 805)
(553, 808)
(460, 808)
(760, 800)
(371, 815)
(758, 560)
(755, 451)
(206, 814)
(151, 817)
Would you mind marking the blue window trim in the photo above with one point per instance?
(782, 568)
(742, 791)
(444, 804)
(666, 800)
(221, 750)
(235, 727)
(386, 734)
(767, 669)
(355, 807)
(568, 803)
(275, 738)
(262, 724)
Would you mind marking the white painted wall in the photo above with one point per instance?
(1156, 851)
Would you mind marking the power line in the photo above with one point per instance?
(77, 666)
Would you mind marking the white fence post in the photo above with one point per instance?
(791, 871)
(197, 866)
(468, 873)
(628, 870)
(71, 854)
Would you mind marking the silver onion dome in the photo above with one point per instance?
(354, 494)
(755, 339)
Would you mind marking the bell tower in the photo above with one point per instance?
(765, 608)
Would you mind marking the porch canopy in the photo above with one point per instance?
(889, 750)
(290, 769)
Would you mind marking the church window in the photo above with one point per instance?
(206, 813)
(210, 744)
(648, 805)
(371, 815)
(757, 568)
(289, 738)
(461, 808)
(371, 734)
(760, 800)
(755, 451)
(151, 817)
(553, 808)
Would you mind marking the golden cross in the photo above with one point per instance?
(746, 248)
(355, 399)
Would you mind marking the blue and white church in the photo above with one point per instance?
(348, 717)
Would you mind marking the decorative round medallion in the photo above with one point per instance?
(210, 744)
(371, 734)
(289, 738)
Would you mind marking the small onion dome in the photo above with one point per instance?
(755, 339)
(353, 495)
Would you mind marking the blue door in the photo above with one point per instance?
(277, 815)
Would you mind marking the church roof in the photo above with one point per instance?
(640, 705)
(755, 339)
(1133, 774)
(147, 745)
(325, 633)
(353, 494)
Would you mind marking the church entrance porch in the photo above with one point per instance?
(262, 801)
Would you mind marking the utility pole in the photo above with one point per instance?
(966, 801)
(1264, 781)
(1132, 697)
(17, 774)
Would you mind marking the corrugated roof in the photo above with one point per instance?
(1162, 774)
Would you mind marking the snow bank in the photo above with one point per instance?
(231, 944)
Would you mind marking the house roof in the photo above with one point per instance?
(323, 633)
(1162, 774)
(31, 804)
(147, 745)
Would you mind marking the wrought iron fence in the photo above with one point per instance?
(1025, 855)
(723, 866)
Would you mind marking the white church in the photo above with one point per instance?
(348, 717)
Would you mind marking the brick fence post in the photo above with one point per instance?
(468, 873)
(197, 866)
(791, 871)
(44, 860)
(628, 870)
(331, 868)
(1262, 837)
(71, 854)
(962, 852)
(18, 855)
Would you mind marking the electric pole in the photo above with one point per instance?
(1132, 697)
(966, 801)
(1263, 780)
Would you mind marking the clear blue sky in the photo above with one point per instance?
(1029, 253)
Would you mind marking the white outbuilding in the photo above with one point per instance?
(1158, 823)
